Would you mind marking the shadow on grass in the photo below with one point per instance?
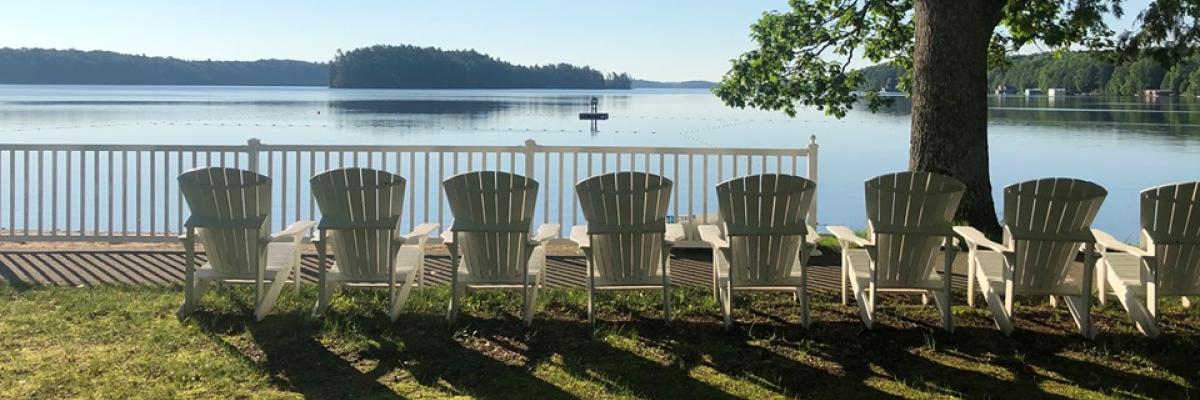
(422, 346)
(361, 354)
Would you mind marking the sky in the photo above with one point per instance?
(666, 40)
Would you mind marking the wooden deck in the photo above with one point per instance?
(163, 267)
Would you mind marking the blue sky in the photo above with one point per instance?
(650, 39)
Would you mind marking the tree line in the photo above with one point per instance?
(49, 66)
(371, 67)
(406, 66)
(1078, 72)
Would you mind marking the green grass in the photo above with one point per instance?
(119, 342)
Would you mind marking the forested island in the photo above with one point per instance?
(412, 67)
(49, 66)
(1078, 72)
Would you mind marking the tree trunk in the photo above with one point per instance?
(949, 100)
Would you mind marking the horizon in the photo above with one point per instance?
(660, 41)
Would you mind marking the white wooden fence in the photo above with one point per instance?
(125, 193)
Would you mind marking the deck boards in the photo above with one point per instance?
(165, 267)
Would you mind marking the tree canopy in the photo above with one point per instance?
(433, 68)
(803, 56)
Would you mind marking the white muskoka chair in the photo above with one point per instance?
(360, 217)
(1046, 222)
(230, 215)
(626, 241)
(489, 243)
(767, 241)
(1168, 264)
(910, 218)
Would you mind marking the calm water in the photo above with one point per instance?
(1124, 144)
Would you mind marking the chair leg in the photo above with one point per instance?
(530, 304)
(971, 278)
(322, 281)
(805, 317)
(845, 277)
(296, 277)
(268, 301)
(1187, 303)
(802, 293)
(667, 301)
(1101, 284)
(942, 300)
(727, 304)
(401, 298)
(324, 295)
(456, 292)
(192, 297)
(189, 276)
(591, 298)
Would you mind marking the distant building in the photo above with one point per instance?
(1005, 89)
(1033, 92)
(1059, 92)
(1157, 93)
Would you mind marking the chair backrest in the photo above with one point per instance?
(493, 215)
(626, 214)
(765, 224)
(230, 210)
(909, 215)
(1171, 229)
(1045, 222)
(361, 207)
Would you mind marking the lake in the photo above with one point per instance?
(1125, 144)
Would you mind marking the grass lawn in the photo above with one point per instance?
(122, 342)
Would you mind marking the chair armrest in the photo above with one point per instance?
(546, 232)
(447, 237)
(846, 235)
(974, 238)
(812, 237)
(711, 234)
(292, 232)
(1109, 242)
(420, 232)
(674, 233)
(579, 235)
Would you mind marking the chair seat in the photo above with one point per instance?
(281, 253)
(206, 272)
(407, 259)
(280, 257)
(334, 274)
(991, 265)
(860, 270)
(1126, 268)
(789, 282)
(465, 277)
(652, 280)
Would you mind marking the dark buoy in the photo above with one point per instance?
(595, 115)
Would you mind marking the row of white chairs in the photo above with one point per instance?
(762, 243)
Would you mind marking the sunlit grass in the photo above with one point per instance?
(119, 342)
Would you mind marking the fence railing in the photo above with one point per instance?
(123, 193)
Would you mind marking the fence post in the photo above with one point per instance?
(812, 176)
(252, 146)
(531, 147)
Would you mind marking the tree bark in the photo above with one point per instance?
(949, 100)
